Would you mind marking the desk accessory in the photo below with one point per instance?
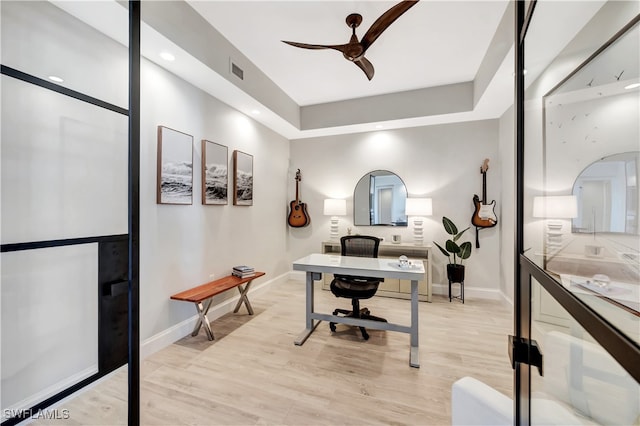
(404, 263)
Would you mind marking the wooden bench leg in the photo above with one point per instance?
(244, 299)
(203, 320)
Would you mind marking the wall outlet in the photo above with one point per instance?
(212, 276)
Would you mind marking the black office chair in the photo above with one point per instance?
(357, 288)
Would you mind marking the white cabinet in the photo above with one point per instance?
(392, 287)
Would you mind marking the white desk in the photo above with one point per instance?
(317, 264)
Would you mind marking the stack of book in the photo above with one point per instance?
(243, 271)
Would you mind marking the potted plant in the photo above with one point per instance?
(451, 249)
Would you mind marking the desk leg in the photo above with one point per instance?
(309, 310)
(414, 358)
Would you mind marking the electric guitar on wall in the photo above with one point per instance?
(298, 216)
(484, 215)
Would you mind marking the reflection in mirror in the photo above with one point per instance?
(379, 199)
(607, 195)
(591, 133)
(591, 118)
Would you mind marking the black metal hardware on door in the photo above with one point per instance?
(525, 351)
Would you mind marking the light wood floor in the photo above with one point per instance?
(253, 374)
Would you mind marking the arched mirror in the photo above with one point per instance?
(607, 195)
(379, 199)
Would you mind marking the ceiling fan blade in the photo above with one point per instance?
(383, 22)
(338, 47)
(365, 66)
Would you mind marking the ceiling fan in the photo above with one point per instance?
(354, 50)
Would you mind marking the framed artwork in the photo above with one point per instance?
(242, 179)
(175, 167)
(215, 174)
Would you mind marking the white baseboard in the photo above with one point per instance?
(172, 334)
(507, 299)
(32, 400)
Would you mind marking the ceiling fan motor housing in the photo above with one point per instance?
(354, 20)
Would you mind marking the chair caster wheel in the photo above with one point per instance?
(332, 326)
(365, 335)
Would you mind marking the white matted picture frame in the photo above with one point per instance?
(242, 179)
(175, 167)
(215, 173)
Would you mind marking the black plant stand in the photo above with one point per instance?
(461, 297)
(455, 274)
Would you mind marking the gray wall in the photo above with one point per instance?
(182, 246)
(442, 162)
(507, 157)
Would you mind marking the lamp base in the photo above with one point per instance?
(418, 238)
(333, 235)
(554, 236)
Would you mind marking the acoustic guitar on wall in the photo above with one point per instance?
(298, 216)
(484, 215)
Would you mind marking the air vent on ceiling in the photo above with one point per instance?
(237, 71)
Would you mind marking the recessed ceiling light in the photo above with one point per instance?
(632, 86)
(379, 126)
(56, 79)
(255, 112)
(167, 56)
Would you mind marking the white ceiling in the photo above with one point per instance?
(432, 44)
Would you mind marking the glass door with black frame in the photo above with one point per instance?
(579, 257)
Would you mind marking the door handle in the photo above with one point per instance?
(525, 351)
(115, 288)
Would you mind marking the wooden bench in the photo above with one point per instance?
(205, 292)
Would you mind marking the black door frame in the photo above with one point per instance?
(133, 379)
(624, 350)
(522, 290)
(133, 235)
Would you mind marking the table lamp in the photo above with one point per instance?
(334, 208)
(553, 208)
(418, 208)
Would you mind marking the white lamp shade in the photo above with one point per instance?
(334, 207)
(556, 207)
(419, 207)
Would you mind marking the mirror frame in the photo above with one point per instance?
(357, 199)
